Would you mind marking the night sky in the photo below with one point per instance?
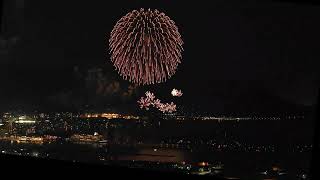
(238, 57)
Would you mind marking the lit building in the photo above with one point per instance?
(25, 120)
(110, 115)
(86, 138)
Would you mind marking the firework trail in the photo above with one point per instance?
(145, 47)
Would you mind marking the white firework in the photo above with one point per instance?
(176, 92)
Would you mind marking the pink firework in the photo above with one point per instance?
(157, 103)
(149, 100)
(144, 103)
(167, 107)
(150, 95)
(145, 47)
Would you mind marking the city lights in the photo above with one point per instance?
(25, 121)
(102, 129)
(22, 117)
(109, 116)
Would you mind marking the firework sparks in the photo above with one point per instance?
(157, 103)
(167, 107)
(145, 47)
(150, 100)
(176, 92)
(144, 103)
(150, 95)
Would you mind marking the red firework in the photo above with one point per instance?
(145, 47)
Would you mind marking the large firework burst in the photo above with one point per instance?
(145, 47)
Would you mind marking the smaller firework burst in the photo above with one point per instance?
(176, 92)
(150, 100)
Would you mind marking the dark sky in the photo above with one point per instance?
(238, 56)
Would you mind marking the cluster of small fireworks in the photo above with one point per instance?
(176, 92)
(150, 100)
(145, 47)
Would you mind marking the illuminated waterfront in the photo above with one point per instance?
(234, 164)
(135, 141)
